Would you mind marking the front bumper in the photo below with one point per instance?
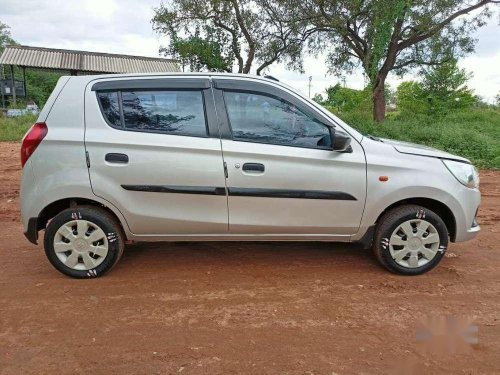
(469, 234)
(467, 225)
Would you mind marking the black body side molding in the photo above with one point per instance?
(243, 192)
(284, 193)
(205, 190)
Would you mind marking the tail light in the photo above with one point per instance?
(31, 140)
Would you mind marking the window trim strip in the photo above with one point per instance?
(149, 84)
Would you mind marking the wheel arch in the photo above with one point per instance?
(438, 207)
(54, 208)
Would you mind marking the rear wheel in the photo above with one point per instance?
(84, 242)
(410, 240)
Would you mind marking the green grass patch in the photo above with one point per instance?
(472, 133)
(13, 129)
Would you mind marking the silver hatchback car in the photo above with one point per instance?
(226, 157)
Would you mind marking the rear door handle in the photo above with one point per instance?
(254, 167)
(116, 158)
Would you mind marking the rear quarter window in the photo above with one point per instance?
(110, 107)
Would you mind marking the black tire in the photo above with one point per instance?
(390, 221)
(97, 216)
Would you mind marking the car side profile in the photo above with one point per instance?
(228, 157)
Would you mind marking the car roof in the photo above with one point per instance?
(252, 77)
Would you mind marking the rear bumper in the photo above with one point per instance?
(32, 230)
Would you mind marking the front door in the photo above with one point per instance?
(155, 154)
(283, 177)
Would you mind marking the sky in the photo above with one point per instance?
(124, 26)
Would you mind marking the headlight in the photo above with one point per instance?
(465, 173)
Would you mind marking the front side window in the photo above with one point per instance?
(174, 112)
(260, 118)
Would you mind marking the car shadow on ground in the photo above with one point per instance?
(162, 255)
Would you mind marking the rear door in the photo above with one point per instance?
(155, 153)
(283, 177)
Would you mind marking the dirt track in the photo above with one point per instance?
(223, 308)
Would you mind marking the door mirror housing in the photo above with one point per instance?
(341, 142)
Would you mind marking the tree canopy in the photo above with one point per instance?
(443, 88)
(202, 53)
(380, 36)
(384, 36)
(252, 33)
(5, 36)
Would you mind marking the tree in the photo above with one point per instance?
(5, 37)
(384, 36)
(318, 98)
(410, 98)
(443, 88)
(258, 32)
(209, 53)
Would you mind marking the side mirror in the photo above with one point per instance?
(341, 142)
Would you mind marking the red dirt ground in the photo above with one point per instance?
(227, 308)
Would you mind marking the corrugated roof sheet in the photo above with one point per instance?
(82, 61)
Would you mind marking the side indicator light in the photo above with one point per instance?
(383, 178)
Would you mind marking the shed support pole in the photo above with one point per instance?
(24, 83)
(2, 88)
(14, 101)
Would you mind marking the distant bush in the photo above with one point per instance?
(40, 85)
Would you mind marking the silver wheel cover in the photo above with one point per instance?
(81, 245)
(414, 243)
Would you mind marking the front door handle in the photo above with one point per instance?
(116, 158)
(254, 167)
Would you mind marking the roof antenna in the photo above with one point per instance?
(273, 78)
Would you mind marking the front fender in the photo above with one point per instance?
(375, 208)
(413, 177)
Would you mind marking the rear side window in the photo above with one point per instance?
(176, 112)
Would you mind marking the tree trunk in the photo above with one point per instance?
(378, 97)
(248, 63)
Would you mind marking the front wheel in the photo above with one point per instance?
(410, 240)
(84, 242)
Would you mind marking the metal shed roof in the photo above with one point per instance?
(83, 61)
